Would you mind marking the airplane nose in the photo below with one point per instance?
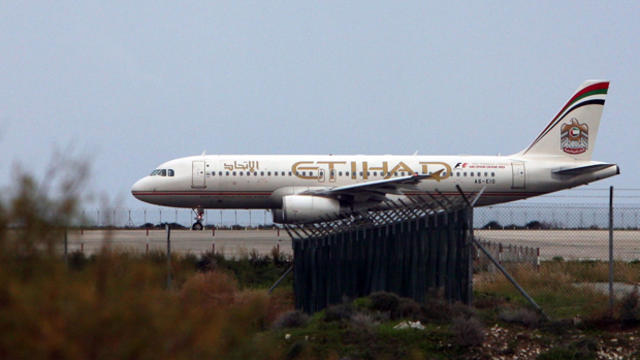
(137, 187)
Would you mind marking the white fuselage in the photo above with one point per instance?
(261, 181)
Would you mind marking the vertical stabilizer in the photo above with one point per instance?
(572, 132)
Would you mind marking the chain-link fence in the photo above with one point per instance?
(571, 225)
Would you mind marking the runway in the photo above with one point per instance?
(232, 243)
(570, 244)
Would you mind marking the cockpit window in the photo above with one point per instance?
(162, 172)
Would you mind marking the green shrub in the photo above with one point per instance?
(291, 319)
(384, 301)
(408, 308)
(338, 312)
(467, 331)
(629, 308)
(583, 349)
(522, 316)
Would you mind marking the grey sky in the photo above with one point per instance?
(133, 84)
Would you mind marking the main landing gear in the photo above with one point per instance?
(199, 215)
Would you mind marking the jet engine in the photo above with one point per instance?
(306, 209)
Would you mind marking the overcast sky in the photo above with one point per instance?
(132, 84)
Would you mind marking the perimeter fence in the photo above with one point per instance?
(522, 215)
(572, 225)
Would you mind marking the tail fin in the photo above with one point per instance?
(572, 133)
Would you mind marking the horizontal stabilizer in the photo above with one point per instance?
(582, 169)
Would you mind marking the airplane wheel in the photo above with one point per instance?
(197, 226)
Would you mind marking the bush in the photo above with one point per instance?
(491, 225)
(522, 316)
(362, 321)
(629, 308)
(467, 332)
(384, 301)
(338, 312)
(77, 260)
(363, 303)
(408, 308)
(291, 319)
(583, 349)
(437, 308)
(209, 290)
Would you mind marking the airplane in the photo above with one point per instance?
(309, 188)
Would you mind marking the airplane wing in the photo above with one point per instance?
(378, 188)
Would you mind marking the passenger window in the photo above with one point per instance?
(471, 173)
(339, 173)
(493, 174)
(240, 172)
(485, 173)
(234, 173)
(346, 173)
(289, 173)
(219, 173)
(275, 173)
(465, 174)
(282, 173)
(458, 174)
(227, 173)
(360, 173)
(268, 173)
(213, 173)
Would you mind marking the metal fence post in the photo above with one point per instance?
(166, 226)
(66, 245)
(611, 250)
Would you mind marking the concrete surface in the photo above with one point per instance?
(570, 244)
(232, 243)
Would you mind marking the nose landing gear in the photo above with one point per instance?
(199, 215)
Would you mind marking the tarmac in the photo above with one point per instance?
(232, 243)
(569, 244)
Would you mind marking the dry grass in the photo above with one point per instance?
(117, 305)
(552, 286)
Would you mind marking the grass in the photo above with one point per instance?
(552, 286)
(117, 304)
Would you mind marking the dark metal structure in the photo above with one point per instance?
(411, 246)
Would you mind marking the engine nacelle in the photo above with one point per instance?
(306, 209)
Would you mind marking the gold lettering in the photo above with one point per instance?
(296, 168)
(401, 166)
(331, 166)
(384, 169)
(353, 169)
(437, 175)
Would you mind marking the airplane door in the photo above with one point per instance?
(321, 175)
(518, 175)
(197, 175)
